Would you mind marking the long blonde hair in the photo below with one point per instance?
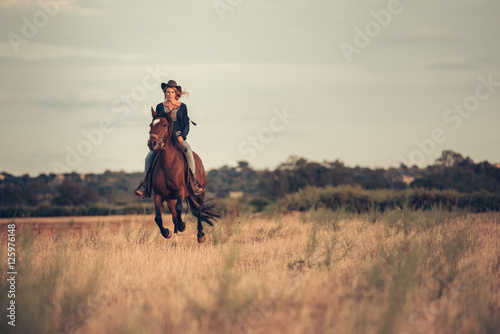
(178, 94)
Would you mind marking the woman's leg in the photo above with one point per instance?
(198, 189)
(190, 157)
(143, 190)
(149, 161)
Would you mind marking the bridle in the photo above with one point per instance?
(160, 138)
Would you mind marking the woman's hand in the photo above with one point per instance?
(180, 139)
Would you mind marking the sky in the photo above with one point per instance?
(370, 83)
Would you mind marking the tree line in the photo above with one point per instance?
(114, 190)
(450, 171)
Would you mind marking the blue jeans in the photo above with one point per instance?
(152, 154)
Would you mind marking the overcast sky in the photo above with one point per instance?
(371, 83)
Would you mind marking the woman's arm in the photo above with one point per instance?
(185, 122)
(159, 109)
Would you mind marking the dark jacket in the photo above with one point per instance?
(182, 123)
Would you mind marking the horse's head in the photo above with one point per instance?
(160, 130)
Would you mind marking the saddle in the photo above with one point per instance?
(188, 176)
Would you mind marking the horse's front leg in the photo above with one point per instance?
(181, 226)
(171, 206)
(175, 206)
(158, 207)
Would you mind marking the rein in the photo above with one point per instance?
(171, 136)
(167, 129)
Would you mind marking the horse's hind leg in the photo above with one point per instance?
(201, 235)
(158, 206)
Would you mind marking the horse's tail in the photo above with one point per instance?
(209, 211)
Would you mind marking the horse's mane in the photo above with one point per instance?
(172, 137)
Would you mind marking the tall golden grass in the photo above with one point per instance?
(313, 272)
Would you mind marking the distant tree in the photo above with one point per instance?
(72, 192)
(450, 158)
(462, 174)
(11, 194)
(107, 193)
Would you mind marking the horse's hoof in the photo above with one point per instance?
(182, 227)
(202, 239)
(167, 234)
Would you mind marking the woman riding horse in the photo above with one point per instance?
(179, 115)
(170, 179)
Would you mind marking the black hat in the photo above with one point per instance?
(170, 83)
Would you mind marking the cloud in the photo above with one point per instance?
(30, 7)
(66, 5)
(431, 33)
(451, 63)
(426, 34)
(19, 3)
(42, 51)
(37, 101)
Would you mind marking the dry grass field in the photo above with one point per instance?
(312, 272)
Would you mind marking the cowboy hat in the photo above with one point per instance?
(170, 83)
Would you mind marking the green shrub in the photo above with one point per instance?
(357, 200)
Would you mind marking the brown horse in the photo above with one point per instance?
(170, 179)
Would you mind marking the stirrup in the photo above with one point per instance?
(142, 191)
(197, 188)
